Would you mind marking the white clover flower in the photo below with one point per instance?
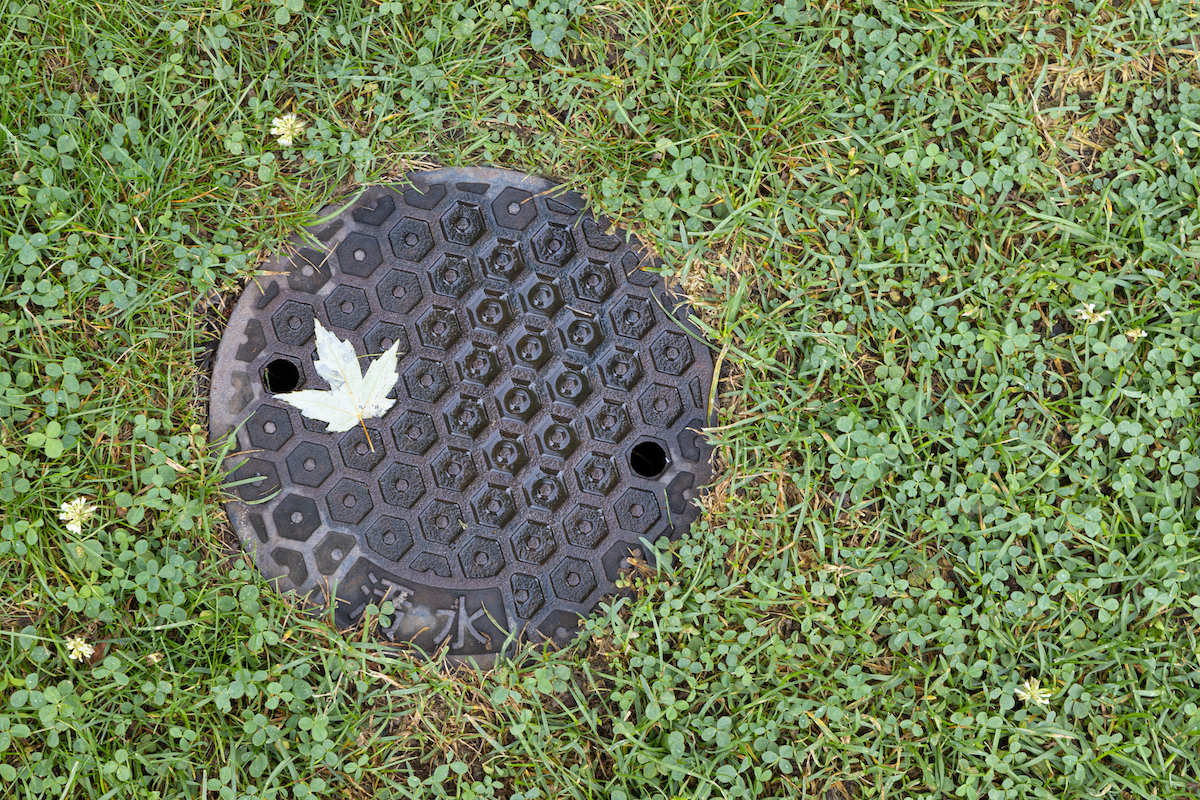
(78, 649)
(1030, 690)
(1133, 334)
(75, 513)
(287, 128)
(1089, 313)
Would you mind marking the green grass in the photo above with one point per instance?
(938, 481)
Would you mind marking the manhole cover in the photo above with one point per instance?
(547, 413)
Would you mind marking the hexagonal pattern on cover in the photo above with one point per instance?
(498, 493)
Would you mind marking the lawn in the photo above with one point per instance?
(944, 254)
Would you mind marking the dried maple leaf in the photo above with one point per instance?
(352, 396)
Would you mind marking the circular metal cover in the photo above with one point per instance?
(547, 417)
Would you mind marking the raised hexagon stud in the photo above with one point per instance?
(402, 485)
(504, 261)
(632, 317)
(452, 276)
(672, 353)
(309, 464)
(347, 307)
(442, 522)
(517, 401)
(534, 543)
(514, 209)
(426, 380)
(492, 313)
(439, 328)
(582, 334)
(349, 501)
(573, 580)
(296, 517)
(359, 254)
(594, 282)
(660, 405)
(293, 322)
(570, 386)
(558, 438)
(494, 506)
(399, 291)
(481, 557)
(269, 428)
(308, 271)
(414, 432)
(609, 422)
(554, 244)
(637, 510)
(621, 370)
(411, 239)
(543, 297)
(585, 527)
(597, 474)
(360, 451)
(529, 348)
(467, 417)
(505, 453)
(453, 470)
(258, 479)
(390, 538)
(546, 491)
(383, 335)
(462, 224)
(479, 366)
